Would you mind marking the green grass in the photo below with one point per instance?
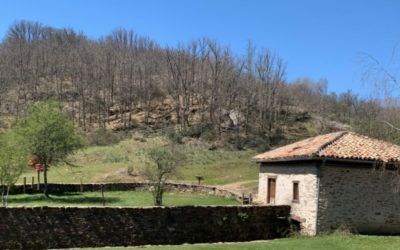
(110, 164)
(117, 198)
(328, 242)
(220, 166)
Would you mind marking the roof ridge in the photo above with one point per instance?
(323, 146)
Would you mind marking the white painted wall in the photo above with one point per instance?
(304, 210)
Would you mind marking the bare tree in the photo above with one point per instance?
(160, 165)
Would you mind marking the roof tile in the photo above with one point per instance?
(339, 145)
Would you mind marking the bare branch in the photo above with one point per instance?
(391, 125)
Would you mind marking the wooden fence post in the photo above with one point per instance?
(38, 181)
(24, 187)
(250, 199)
(33, 182)
(242, 198)
(102, 194)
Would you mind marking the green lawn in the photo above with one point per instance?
(116, 198)
(110, 164)
(329, 242)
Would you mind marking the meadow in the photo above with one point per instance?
(121, 162)
(116, 198)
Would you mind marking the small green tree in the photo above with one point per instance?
(48, 134)
(160, 165)
(12, 163)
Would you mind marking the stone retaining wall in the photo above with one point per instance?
(65, 227)
(139, 186)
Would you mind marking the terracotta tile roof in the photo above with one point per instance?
(338, 145)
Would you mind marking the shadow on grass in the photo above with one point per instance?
(66, 194)
(75, 198)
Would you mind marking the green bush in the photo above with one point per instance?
(243, 216)
(260, 143)
(111, 158)
(204, 131)
(174, 135)
(277, 137)
(104, 137)
(130, 170)
(196, 130)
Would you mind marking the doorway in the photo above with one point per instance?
(271, 190)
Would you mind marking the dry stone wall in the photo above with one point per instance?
(65, 227)
(139, 186)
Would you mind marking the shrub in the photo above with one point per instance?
(260, 143)
(111, 158)
(204, 131)
(130, 170)
(243, 216)
(277, 137)
(174, 135)
(195, 130)
(104, 137)
(208, 134)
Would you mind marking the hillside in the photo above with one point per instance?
(114, 156)
(120, 162)
(125, 81)
(125, 92)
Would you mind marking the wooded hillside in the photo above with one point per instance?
(124, 81)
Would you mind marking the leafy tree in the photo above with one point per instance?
(48, 134)
(12, 163)
(160, 165)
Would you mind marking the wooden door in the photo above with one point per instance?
(271, 190)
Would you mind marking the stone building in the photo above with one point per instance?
(337, 180)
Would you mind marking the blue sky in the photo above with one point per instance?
(319, 39)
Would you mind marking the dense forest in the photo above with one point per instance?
(124, 81)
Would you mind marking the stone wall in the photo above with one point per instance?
(140, 186)
(305, 210)
(65, 227)
(357, 198)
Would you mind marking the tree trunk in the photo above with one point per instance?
(8, 191)
(3, 190)
(158, 194)
(45, 191)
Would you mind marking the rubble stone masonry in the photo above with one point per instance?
(67, 227)
(360, 199)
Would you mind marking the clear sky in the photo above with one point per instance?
(319, 39)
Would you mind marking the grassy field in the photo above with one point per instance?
(110, 164)
(328, 242)
(116, 198)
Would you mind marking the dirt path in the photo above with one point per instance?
(120, 175)
(243, 187)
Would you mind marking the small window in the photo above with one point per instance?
(295, 191)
